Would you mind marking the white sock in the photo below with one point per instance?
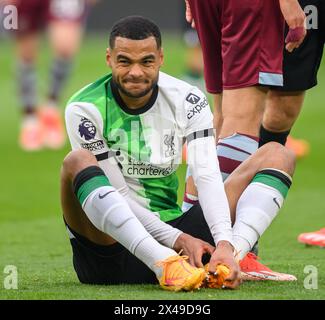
(256, 209)
(110, 213)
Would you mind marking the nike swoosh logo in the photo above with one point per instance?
(104, 195)
(277, 203)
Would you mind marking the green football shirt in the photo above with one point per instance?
(146, 143)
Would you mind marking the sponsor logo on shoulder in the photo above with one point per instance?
(193, 98)
(197, 109)
(87, 130)
(94, 146)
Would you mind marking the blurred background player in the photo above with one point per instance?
(300, 74)
(238, 78)
(42, 125)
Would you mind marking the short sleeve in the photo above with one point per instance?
(198, 113)
(84, 125)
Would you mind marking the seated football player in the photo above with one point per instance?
(119, 184)
(64, 21)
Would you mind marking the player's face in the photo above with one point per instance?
(135, 65)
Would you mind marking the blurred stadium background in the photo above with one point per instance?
(32, 233)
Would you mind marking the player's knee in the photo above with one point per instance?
(281, 111)
(77, 160)
(280, 121)
(76, 156)
(274, 122)
(68, 45)
(290, 160)
(279, 157)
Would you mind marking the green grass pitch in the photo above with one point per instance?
(32, 234)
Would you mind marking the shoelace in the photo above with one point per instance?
(170, 260)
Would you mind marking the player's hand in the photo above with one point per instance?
(188, 15)
(296, 20)
(193, 248)
(224, 254)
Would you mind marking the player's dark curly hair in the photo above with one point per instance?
(135, 28)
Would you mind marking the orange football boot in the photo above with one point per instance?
(53, 127)
(31, 134)
(216, 280)
(316, 238)
(179, 275)
(300, 147)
